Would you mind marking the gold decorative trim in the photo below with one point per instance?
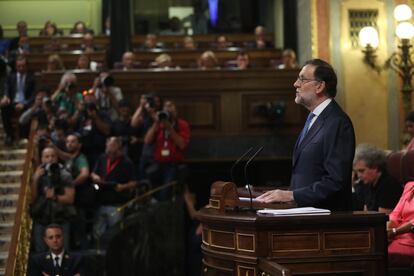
(297, 250)
(204, 239)
(220, 246)
(247, 272)
(247, 235)
(314, 28)
(214, 203)
(348, 248)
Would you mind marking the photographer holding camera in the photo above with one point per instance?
(42, 109)
(94, 126)
(107, 95)
(66, 98)
(170, 136)
(52, 197)
(142, 119)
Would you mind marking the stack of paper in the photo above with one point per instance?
(303, 211)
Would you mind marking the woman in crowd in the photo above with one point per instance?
(50, 29)
(400, 230)
(54, 63)
(208, 60)
(79, 28)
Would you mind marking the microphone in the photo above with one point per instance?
(245, 174)
(237, 162)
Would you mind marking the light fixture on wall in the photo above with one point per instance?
(400, 61)
(368, 39)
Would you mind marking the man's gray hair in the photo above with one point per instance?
(371, 155)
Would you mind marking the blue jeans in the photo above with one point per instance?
(167, 173)
(105, 218)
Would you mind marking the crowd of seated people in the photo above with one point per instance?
(86, 44)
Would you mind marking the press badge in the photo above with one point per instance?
(165, 152)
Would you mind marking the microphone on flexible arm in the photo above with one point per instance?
(245, 174)
(237, 162)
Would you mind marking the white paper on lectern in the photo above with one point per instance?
(295, 211)
(247, 199)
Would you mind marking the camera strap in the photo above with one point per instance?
(111, 166)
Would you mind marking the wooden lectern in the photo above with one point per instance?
(241, 242)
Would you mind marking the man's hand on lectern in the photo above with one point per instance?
(275, 196)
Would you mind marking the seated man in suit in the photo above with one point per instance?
(323, 154)
(19, 93)
(56, 261)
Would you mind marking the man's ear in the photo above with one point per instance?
(320, 87)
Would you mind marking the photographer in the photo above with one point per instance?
(66, 98)
(41, 109)
(78, 166)
(52, 197)
(142, 119)
(170, 136)
(113, 177)
(94, 127)
(107, 95)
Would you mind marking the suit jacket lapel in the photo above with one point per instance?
(65, 263)
(317, 125)
(50, 265)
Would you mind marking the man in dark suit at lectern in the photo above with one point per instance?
(324, 151)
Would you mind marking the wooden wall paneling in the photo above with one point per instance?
(219, 105)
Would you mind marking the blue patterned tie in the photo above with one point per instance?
(306, 127)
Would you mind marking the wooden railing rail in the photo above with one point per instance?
(20, 238)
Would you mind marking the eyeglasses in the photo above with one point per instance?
(303, 80)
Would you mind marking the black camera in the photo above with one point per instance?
(70, 85)
(53, 176)
(150, 100)
(42, 141)
(108, 81)
(163, 115)
(47, 101)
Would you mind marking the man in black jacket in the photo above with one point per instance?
(56, 261)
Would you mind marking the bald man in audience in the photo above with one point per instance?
(128, 60)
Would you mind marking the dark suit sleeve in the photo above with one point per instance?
(338, 147)
(30, 89)
(8, 87)
(34, 268)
